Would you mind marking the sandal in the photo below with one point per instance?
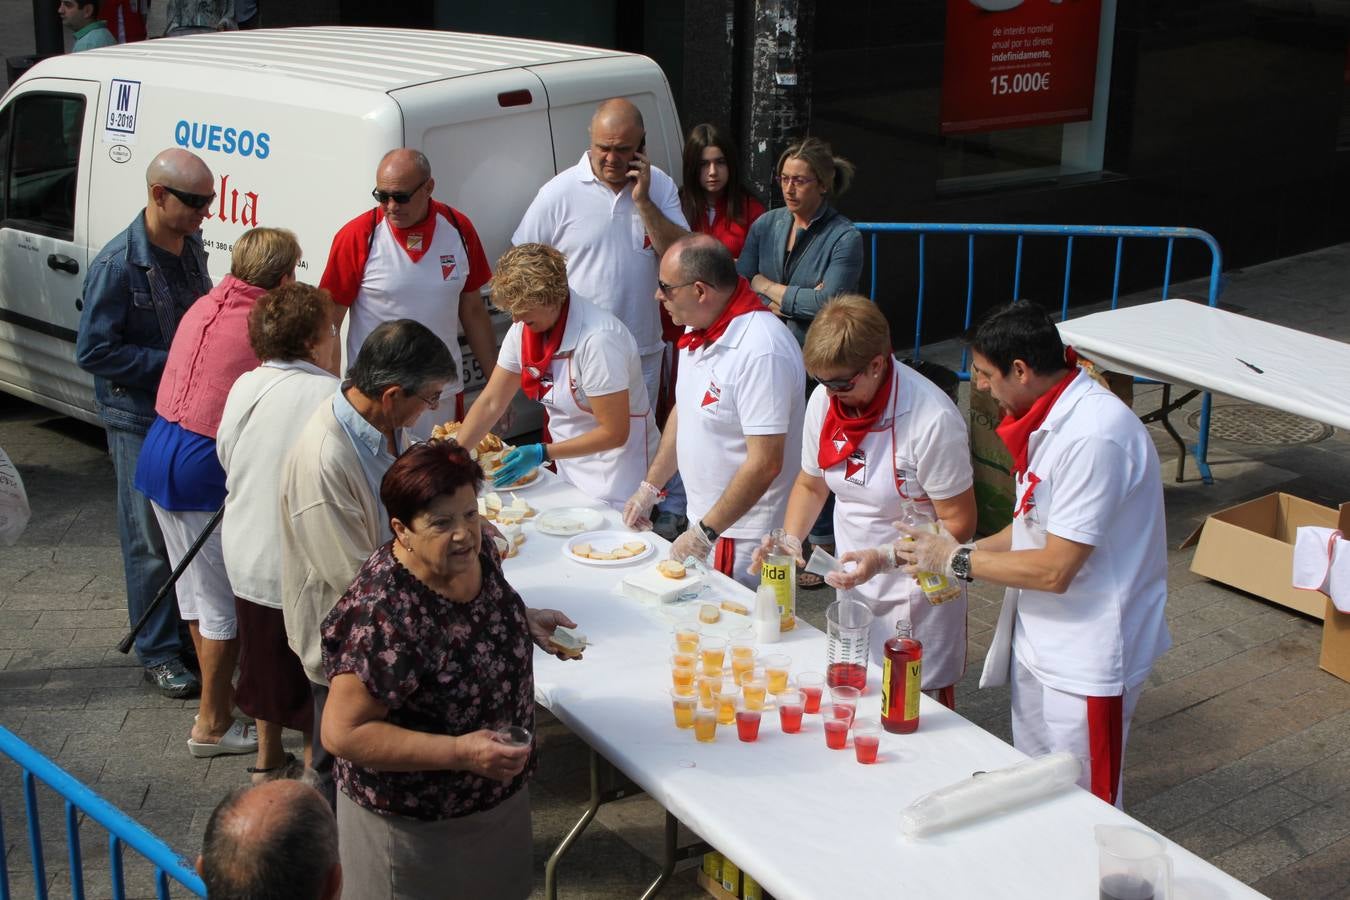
(809, 581)
(239, 739)
(269, 773)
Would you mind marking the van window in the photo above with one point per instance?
(39, 162)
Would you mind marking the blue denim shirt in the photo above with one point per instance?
(830, 251)
(128, 323)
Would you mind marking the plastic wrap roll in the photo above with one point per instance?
(990, 793)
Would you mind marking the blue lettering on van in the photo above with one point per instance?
(222, 139)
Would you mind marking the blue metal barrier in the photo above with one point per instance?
(1069, 232)
(122, 830)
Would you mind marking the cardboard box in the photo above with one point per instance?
(750, 889)
(713, 888)
(731, 877)
(1336, 641)
(992, 464)
(1251, 547)
(712, 865)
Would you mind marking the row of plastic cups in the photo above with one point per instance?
(727, 704)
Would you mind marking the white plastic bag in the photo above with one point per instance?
(14, 510)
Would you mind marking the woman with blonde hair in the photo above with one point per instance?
(180, 473)
(583, 366)
(879, 436)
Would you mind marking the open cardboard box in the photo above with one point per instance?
(1251, 547)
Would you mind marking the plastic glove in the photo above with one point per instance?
(518, 463)
(692, 543)
(543, 622)
(867, 564)
(637, 512)
(924, 551)
(791, 543)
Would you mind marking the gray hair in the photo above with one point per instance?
(403, 353)
(705, 258)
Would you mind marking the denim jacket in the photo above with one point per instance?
(128, 323)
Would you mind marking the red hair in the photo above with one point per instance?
(424, 472)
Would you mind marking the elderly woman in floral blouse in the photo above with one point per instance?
(428, 656)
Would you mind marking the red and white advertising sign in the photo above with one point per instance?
(1015, 63)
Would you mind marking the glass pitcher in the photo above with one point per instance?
(848, 622)
(1132, 864)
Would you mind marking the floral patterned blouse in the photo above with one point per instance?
(441, 668)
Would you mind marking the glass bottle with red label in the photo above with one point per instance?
(902, 676)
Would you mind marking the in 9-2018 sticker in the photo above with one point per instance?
(124, 99)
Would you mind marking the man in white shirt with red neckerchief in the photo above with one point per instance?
(736, 427)
(1085, 557)
(413, 257)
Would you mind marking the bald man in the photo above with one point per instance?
(273, 841)
(136, 292)
(613, 215)
(413, 257)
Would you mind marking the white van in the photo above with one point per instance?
(292, 123)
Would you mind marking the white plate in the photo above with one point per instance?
(567, 521)
(538, 479)
(608, 540)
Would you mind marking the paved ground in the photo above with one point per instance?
(1239, 749)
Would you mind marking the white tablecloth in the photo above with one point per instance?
(804, 820)
(1180, 342)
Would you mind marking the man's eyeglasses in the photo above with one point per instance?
(399, 197)
(432, 402)
(842, 385)
(190, 200)
(795, 180)
(667, 288)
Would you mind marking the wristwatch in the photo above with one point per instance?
(961, 563)
(708, 533)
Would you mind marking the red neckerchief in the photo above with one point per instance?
(742, 301)
(840, 434)
(415, 240)
(1017, 432)
(536, 353)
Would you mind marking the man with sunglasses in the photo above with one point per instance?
(736, 429)
(136, 292)
(417, 258)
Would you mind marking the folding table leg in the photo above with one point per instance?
(599, 797)
(672, 854)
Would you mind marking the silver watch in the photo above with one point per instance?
(961, 563)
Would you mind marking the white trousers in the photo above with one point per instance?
(204, 592)
(1094, 729)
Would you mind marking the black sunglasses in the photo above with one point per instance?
(190, 200)
(399, 197)
(842, 385)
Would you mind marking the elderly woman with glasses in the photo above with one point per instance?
(290, 331)
(431, 697)
(880, 436)
(179, 472)
(582, 364)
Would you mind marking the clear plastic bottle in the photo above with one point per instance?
(779, 571)
(901, 679)
(937, 588)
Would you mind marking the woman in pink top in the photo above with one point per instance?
(180, 473)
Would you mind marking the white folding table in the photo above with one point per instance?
(805, 821)
(1211, 349)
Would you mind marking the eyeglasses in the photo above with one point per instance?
(842, 385)
(190, 200)
(795, 180)
(434, 402)
(667, 288)
(399, 197)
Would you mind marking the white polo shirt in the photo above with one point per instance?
(751, 381)
(1093, 477)
(610, 259)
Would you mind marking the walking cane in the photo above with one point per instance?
(125, 645)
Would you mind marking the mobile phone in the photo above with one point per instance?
(641, 148)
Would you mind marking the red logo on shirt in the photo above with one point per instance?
(447, 266)
(646, 241)
(712, 396)
(1028, 501)
(855, 467)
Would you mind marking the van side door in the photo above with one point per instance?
(46, 132)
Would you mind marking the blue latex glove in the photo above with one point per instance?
(518, 463)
